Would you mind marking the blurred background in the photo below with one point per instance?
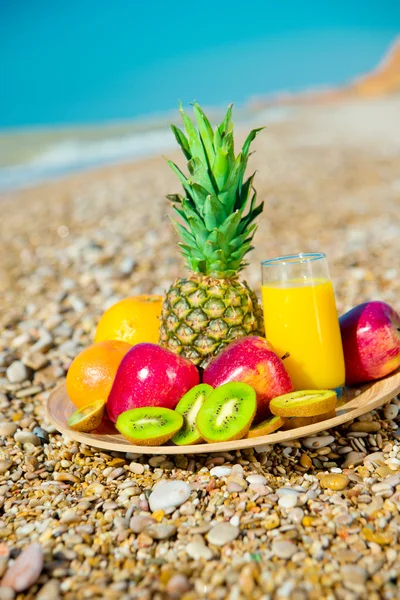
(90, 83)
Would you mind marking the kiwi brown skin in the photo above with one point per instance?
(90, 422)
(268, 428)
(295, 422)
(158, 441)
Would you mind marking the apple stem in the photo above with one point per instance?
(286, 355)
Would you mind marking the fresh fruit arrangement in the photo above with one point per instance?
(195, 366)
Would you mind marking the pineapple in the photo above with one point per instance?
(205, 311)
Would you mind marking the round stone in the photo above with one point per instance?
(283, 549)
(26, 437)
(160, 531)
(222, 534)
(296, 515)
(136, 468)
(177, 586)
(41, 434)
(390, 411)
(335, 481)
(169, 495)
(197, 550)
(138, 523)
(318, 442)
(220, 471)
(353, 459)
(5, 465)
(17, 372)
(256, 478)
(50, 591)
(26, 569)
(288, 501)
(305, 461)
(7, 429)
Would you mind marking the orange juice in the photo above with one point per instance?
(301, 320)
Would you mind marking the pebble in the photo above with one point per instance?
(178, 585)
(198, 550)
(305, 461)
(138, 523)
(283, 548)
(26, 437)
(296, 515)
(160, 531)
(7, 429)
(318, 442)
(256, 479)
(43, 344)
(236, 485)
(7, 593)
(26, 569)
(70, 516)
(365, 426)
(288, 501)
(353, 459)
(334, 481)
(220, 471)
(17, 372)
(169, 495)
(222, 534)
(390, 411)
(136, 468)
(354, 577)
(5, 465)
(50, 591)
(41, 434)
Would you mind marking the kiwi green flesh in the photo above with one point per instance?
(227, 413)
(188, 407)
(149, 426)
(88, 417)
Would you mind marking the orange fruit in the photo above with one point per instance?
(92, 372)
(133, 320)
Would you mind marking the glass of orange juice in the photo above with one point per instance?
(301, 320)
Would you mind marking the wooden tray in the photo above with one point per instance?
(59, 408)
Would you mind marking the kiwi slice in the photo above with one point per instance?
(294, 422)
(149, 425)
(227, 413)
(265, 427)
(88, 417)
(307, 403)
(189, 406)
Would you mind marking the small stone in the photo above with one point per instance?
(50, 591)
(334, 481)
(222, 534)
(197, 550)
(390, 411)
(288, 501)
(318, 442)
(220, 471)
(5, 465)
(26, 569)
(236, 484)
(383, 539)
(138, 523)
(354, 577)
(26, 437)
(160, 531)
(353, 459)
(43, 344)
(272, 521)
(7, 429)
(35, 360)
(144, 540)
(256, 478)
(305, 461)
(169, 495)
(365, 426)
(178, 585)
(296, 515)
(283, 548)
(70, 516)
(136, 468)
(41, 434)
(6, 593)
(17, 372)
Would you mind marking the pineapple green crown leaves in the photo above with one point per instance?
(219, 208)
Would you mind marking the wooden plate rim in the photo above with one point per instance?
(374, 395)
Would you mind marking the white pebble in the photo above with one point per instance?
(255, 478)
(283, 549)
(235, 520)
(17, 372)
(7, 429)
(288, 501)
(169, 495)
(222, 534)
(27, 437)
(220, 471)
(318, 442)
(197, 550)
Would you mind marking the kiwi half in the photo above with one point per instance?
(227, 413)
(307, 403)
(88, 417)
(294, 422)
(149, 425)
(265, 427)
(189, 406)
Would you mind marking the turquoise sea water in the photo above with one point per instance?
(80, 62)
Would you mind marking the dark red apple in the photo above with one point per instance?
(251, 360)
(371, 341)
(150, 376)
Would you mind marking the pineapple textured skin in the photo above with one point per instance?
(201, 315)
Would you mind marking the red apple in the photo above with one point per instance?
(371, 341)
(251, 360)
(150, 376)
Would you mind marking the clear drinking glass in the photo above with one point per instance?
(301, 320)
